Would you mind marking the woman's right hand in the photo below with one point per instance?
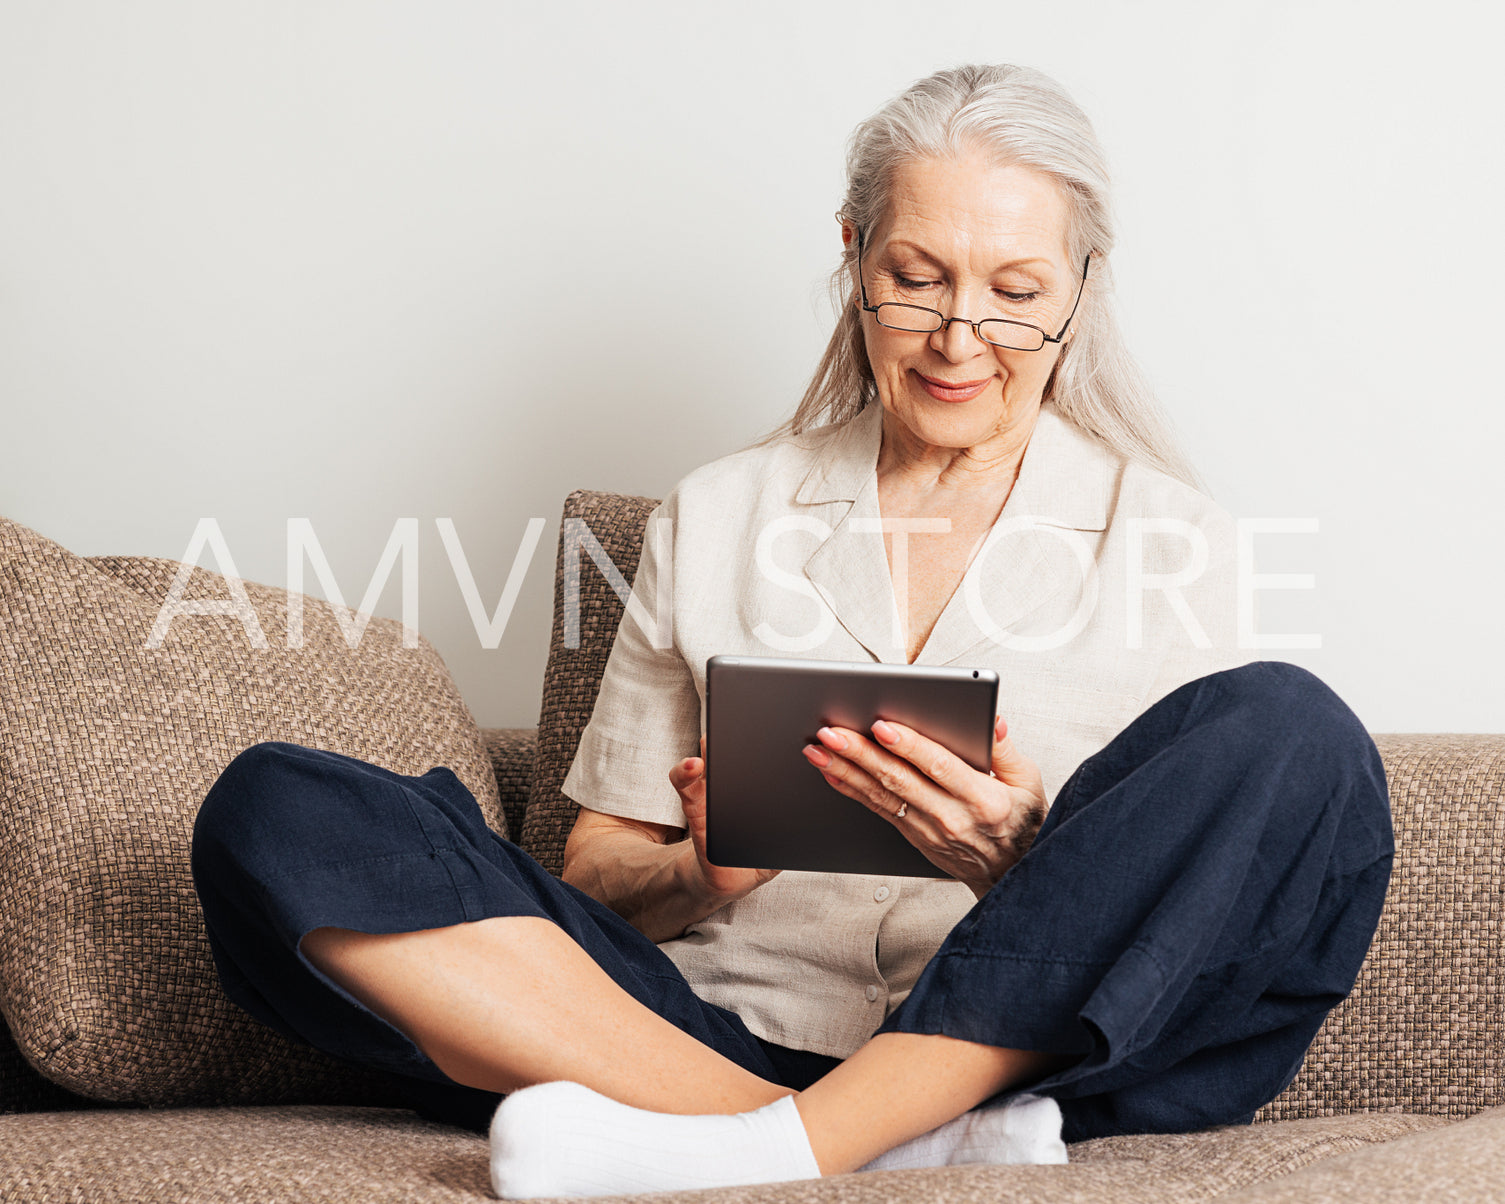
(720, 883)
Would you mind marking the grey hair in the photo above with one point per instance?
(1019, 117)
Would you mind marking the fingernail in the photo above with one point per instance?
(884, 731)
(833, 738)
(818, 757)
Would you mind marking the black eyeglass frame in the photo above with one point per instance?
(975, 325)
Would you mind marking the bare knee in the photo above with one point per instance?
(328, 946)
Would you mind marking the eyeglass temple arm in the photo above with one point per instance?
(861, 284)
(1086, 263)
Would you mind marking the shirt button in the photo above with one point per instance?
(880, 894)
(872, 993)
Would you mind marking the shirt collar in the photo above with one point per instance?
(1065, 479)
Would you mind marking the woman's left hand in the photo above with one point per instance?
(973, 825)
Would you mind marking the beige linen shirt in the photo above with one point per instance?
(1085, 598)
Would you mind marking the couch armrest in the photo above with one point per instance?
(512, 750)
(1422, 1031)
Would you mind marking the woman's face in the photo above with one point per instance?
(972, 240)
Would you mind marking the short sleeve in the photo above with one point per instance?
(647, 712)
(1212, 599)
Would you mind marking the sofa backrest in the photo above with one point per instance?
(1423, 1030)
(572, 676)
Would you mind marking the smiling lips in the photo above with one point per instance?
(963, 390)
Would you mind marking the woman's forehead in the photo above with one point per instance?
(977, 210)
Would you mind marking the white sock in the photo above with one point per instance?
(1026, 1128)
(562, 1139)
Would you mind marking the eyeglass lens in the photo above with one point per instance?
(997, 331)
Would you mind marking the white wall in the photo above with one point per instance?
(336, 258)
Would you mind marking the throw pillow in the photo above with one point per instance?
(107, 748)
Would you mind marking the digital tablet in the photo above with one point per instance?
(767, 807)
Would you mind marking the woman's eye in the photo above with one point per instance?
(906, 283)
(910, 284)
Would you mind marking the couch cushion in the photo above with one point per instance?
(1462, 1162)
(297, 1155)
(107, 747)
(572, 677)
(1424, 1028)
(22, 1089)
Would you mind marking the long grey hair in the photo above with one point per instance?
(1020, 117)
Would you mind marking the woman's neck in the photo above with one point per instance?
(977, 477)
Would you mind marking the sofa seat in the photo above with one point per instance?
(308, 1154)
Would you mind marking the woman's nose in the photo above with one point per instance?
(957, 339)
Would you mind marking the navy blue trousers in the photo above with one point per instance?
(1201, 894)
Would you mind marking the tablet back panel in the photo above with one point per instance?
(767, 807)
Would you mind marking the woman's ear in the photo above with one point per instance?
(848, 238)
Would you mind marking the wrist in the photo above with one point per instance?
(690, 879)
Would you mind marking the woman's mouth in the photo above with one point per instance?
(961, 390)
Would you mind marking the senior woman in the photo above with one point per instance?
(976, 476)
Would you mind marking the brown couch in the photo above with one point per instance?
(126, 1075)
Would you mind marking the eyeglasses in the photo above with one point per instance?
(1000, 332)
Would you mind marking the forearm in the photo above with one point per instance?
(654, 887)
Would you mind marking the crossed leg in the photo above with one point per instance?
(1256, 769)
(456, 993)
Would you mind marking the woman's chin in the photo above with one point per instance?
(952, 424)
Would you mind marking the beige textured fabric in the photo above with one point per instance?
(107, 748)
(512, 750)
(22, 1089)
(573, 673)
(777, 551)
(316, 1155)
(288, 1155)
(1461, 1163)
(1424, 1029)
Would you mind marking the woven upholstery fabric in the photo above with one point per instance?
(1460, 1163)
(511, 750)
(1424, 1029)
(573, 675)
(107, 747)
(280, 1155)
(22, 1089)
(300, 1155)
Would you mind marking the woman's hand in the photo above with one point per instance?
(973, 825)
(717, 883)
(646, 872)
